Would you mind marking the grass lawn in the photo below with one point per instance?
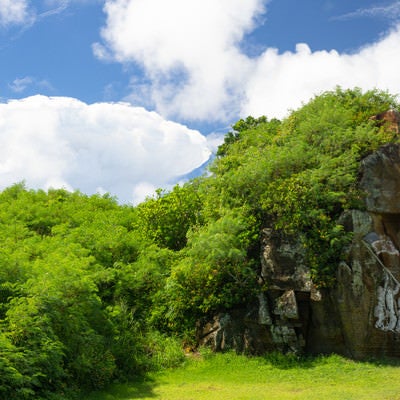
(229, 376)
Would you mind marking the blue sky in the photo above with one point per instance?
(125, 96)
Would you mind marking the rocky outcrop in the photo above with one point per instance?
(390, 118)
(279, 320)
(360, 315)
(356, 317)
(366, 297)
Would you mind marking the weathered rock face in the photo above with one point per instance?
(366, 298)
(280, 319)
(381, 180)
(360, 316)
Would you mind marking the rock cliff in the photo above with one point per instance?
(358, 317)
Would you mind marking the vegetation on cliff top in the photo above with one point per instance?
(300, 174)
(92, 291)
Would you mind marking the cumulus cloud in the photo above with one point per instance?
(196, 69)
(14, 12)
(143, 190)
(189, 51)
(118, 148)
(283, 81)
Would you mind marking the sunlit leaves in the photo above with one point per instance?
(58, 273)
(215, 272)
(167, 218)
(299, 175)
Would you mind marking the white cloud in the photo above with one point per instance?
(14, 12)
(62, 142)
(196, 69)
(283, 81)
(188, 49)
(215, 139)
(143, 190)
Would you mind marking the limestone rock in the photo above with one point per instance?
(380, 180)
(286, 305)
(354, 305)
(279, 322)
(282, 263)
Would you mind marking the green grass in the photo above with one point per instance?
(229, 376)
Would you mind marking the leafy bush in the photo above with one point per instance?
(214, 273)
(67, 265)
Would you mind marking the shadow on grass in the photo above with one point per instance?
(138, 389)
(289, 361)
(275, 359)
(384, 362)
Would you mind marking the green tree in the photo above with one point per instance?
(215, 273)
(167, 217)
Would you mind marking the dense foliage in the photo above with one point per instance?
(92, 291)
(76, 283)
(298, 175)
